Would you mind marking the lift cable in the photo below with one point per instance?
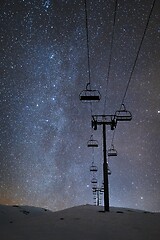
(130, 77)
(110, 54)
(88, 95)
(125, 93)
(112, 142)
(88, 50)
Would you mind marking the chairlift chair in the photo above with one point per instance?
(92, 142)
(94, 189)
(94, 181)
(102, 188)
(101, 191)
(123, 114)
(89, 95)
(112, 151)
(95, 203)
(93, 168)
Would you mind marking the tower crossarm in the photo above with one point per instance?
(104, 119)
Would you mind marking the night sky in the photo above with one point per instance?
(45, 128)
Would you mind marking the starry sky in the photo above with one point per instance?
(45, 128)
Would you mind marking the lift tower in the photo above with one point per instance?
(105, 120)
(111, 120)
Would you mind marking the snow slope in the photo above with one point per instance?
(77, 223)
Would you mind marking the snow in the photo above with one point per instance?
(77, 223)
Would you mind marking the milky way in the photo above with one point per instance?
(45, 128)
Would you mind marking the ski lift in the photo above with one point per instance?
(123, 114)
(94, 189)
(112, 151)
(93, 168)
(89, 95)
(94, 181)
(92, 142)
(101, 191)
(102, 188)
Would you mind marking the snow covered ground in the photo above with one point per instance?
(77, 223)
